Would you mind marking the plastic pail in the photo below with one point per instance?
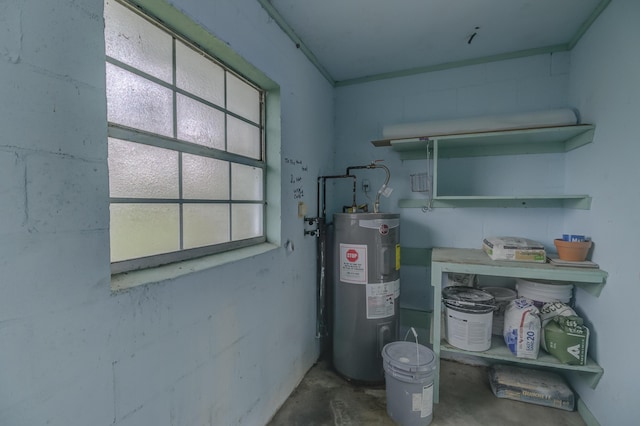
(468, 317)
(542, 292)
(409, 369)
(503, 296)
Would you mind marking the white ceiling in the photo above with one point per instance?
(355, 40)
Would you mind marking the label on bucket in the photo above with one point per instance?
(423, 402)
(471, 332)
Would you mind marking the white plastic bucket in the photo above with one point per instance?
(542, 292)
(468, 317)
(503, 296)
(409, 369)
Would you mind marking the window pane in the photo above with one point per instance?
(243, 138)
(199, 123)
(142, 171)
(139, 230)
(246, 182)
(246, 221)
(135, 41)
(199, 75)
(205, 224)
(136, 102)
(204, 178)
(243, 99)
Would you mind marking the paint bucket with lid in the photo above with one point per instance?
(468, 317)
(409, 370)
(543, 291)
(503, 296)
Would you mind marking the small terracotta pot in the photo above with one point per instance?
(575, 251)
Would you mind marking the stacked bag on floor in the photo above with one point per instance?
(556, 327)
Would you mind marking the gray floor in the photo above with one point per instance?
(324, 398)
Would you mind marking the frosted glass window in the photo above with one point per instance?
(243, 99)
(205, 224)
(181, 129)
(204, 178)
(135, 41)
(246, 221)
(136, 102)
(142, 171)
(139, 230)
(246, 182)
(199, 123)
(196, 74)
(243, 138)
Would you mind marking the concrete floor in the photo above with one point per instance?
(324, 398)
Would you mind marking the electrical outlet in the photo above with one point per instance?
(365, 185)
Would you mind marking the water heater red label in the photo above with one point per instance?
(353, 263)
(352, 255)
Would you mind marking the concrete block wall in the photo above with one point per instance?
(514, 86)
(216, 347)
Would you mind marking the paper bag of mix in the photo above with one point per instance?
(564, 334)
(533, 386)
(514, 248)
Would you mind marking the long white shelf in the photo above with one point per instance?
(582, 201)
(543, 140)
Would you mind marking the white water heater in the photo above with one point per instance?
(366, 291)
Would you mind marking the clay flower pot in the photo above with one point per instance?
(575, 251)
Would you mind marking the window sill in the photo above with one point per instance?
(127, 280)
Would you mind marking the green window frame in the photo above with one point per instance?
(178, 190)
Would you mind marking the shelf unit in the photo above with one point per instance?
(475, 261)
(508, 142)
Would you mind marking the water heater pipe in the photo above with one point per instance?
(322, 322)
(373, 165)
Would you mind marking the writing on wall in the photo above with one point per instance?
(296, 170)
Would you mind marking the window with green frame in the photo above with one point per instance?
(187, 167)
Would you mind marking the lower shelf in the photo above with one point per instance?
(499, 352)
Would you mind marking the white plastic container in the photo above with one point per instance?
(542, 292)
(468, 317)
(409, 369)
(502, 295)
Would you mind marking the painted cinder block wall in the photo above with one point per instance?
(215, 347)
(218, 347)
(600, 78)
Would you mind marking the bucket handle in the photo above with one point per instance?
(415, 335)
(463, 303)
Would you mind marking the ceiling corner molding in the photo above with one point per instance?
(275, 15)
(456, 64)
(586, 24)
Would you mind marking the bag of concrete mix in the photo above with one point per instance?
(522, 328)
(548, 312)
(567, 338)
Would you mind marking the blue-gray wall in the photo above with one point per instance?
(605, 86)
(227, 346)
(601, 79)
(222, 346)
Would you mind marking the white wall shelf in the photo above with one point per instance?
(508, 142)
(475, 261)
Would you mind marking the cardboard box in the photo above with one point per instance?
(514, 248)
